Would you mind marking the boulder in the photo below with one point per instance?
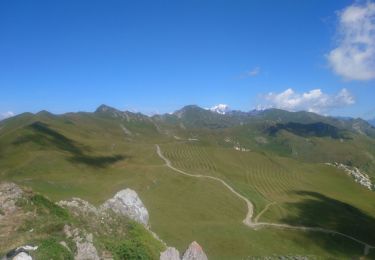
(194, 252)
(126, 202)
(22, 256)
(86, 251)
(79, 206)
(170, 253)
(9, 194)
(84, 243)
(20, 253)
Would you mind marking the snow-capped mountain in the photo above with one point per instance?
(220, 109)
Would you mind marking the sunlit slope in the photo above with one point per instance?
(93, 155)
(302, 135)
(298, 193)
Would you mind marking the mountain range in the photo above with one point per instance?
(200, 172)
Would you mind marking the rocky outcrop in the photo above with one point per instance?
(358, 176)
(20, 253)
(126, 202)
(170, 253)
(79, 206)
(84, 243)
(22, 256)
(9, 194)
(194, 252)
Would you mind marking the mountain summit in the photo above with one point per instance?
(104, 108)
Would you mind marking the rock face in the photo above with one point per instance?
(194, 252)
(170, 253)
(20, 253)
(9, 194)
(86, 251)
(84, 242)
(22, 256)
(126, 202)
(78, 205)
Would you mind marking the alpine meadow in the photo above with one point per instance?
(287, 171)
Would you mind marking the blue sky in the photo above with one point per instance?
(156, 56)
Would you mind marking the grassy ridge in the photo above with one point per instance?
(184, 209)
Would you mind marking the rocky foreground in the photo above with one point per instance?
(81, 236)
(194, 251)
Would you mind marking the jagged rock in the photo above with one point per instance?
(28, 248)
(9, 194)
(79, 206)
(22, 256)
(20, 253)
(126, 202)
(194, 252)
(84, 242)
(86, 251)
(170, 253)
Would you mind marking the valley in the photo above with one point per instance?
(197, 187)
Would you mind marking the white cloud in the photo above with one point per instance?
(251, 73)
(354, 56)
(314, 100)
(220, 108)
(6, 115)
(254, 72)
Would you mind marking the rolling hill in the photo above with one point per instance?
(284, 163)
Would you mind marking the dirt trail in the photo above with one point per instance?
(264, 210)
(250, 208)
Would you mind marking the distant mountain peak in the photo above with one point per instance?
(188, 108)
(220, 109)
(44, 113)
(104, 108)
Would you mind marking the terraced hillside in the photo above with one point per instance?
(283, 173)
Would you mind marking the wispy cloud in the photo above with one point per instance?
(314, 100)
(251, 73)
(354, 56)
(6, 115)
(220, 108)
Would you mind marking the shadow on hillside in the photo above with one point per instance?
(308, 130)
(47, 137)
(97, 161)
(319, 210)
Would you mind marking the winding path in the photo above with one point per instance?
(264, 210)
(250, 208)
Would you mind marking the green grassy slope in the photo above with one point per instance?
(93, 155)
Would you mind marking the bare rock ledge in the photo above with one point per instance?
(194, 252)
